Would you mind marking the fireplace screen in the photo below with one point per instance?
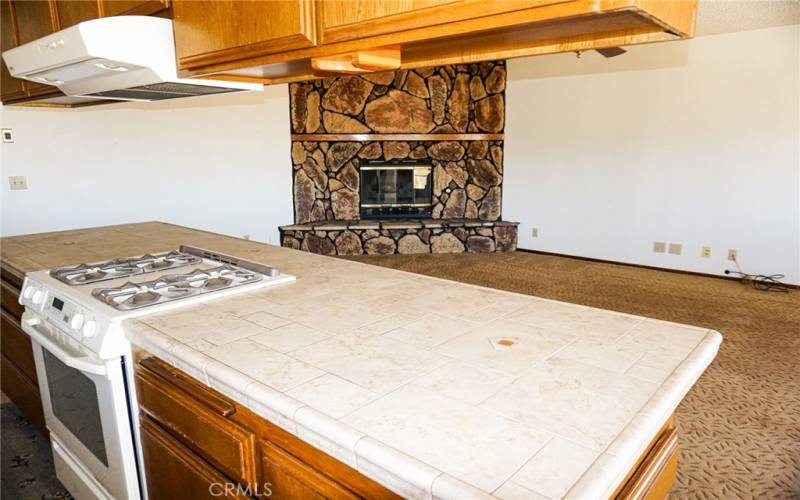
(396, 190)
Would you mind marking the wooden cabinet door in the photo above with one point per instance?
(34, 21)
(342, 20)
(10, 87)
(72, 12)
(173, 471)
(209, 32)
(132, 7)
(290, 478)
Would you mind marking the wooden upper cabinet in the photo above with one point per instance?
(10, 88)
(132, 7)
(72, 12)
(342, 20)
(209, 32)
(33, 20)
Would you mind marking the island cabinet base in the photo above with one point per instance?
(655, 471)
(196, 440)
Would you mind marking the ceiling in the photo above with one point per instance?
(726, 16)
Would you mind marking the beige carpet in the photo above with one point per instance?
(740, 425)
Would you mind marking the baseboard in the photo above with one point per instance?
(640, 266)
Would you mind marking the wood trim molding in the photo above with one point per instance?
(397, 137)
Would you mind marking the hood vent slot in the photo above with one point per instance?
(162, 91)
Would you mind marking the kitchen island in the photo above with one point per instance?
(429, 387)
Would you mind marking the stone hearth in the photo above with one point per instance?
(406, 237)
(467, 102)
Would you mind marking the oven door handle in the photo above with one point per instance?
(82, 363)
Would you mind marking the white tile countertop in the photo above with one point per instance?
(435, 388)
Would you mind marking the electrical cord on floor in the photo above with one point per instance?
(763, 282)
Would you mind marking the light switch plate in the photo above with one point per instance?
(659, 247)
(17, 182)
(8, 135)
(706, 253)
(675, 248)
(534, 232)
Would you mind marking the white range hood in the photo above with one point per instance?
(126, 58)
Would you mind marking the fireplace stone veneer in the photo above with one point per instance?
(462, 104)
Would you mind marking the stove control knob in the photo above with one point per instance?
(38, 297)
(76, 322)
(89, 329)
(28, 293)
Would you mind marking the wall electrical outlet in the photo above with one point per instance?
(659, 247)
(534, 232)
(17, 182)
(675, 248)
(8, 135)
(706, 252)
(732, 254)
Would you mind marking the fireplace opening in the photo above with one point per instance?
(396, 190)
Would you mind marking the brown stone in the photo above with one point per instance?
(291, 242)
(496, 81)
(436, 213)
(298, 93)
(380, 245)
(336, 123)
(425, 236)
(477, 149)
(395, 150)
(418, 153)
(458, 104)
(483, 173)
(440, 179)
(316, 173)
(383, 78)
(474, 192)
(348, 243)
(446, 150)
(340, 153)
(318, 211)
(438, 92)
(497, 158)
(344, 204)
(460, 233)
(334, 185)
(458, 173)
(471, 210)
(415, 85)
(316, 244)
(490, 206)
(399, 78)
(444, 129)
(480, 244)
(489, 113)
(398, 111)
(484, 231)
(349, 176)
(303, 197)
(446, 243)
(411, 243)
(476, 90)
(298, 153)
(505, 238)
(370, 233)
(347, 95)
(456, 205)
(371, 151)
(312, 113)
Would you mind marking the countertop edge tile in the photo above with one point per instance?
(611, 467)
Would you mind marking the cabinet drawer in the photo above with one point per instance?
(655, 474)
(16, 345)
(197, 416)
(23, 392)
(175, 471)
(9, 296)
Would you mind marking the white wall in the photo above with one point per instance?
(219, 163)
(692, 142)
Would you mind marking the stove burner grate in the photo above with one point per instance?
(122, 268)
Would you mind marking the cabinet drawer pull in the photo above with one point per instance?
(194, 389)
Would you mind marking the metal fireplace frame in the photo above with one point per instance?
(396, 210)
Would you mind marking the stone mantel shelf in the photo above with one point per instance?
(396, 137)
(377, 224)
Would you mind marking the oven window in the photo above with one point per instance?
(76, 404)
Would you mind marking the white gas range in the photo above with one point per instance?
(74, 317)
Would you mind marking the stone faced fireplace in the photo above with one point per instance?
(407, 161)
(396, 190)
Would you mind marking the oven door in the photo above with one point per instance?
(86, 409)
